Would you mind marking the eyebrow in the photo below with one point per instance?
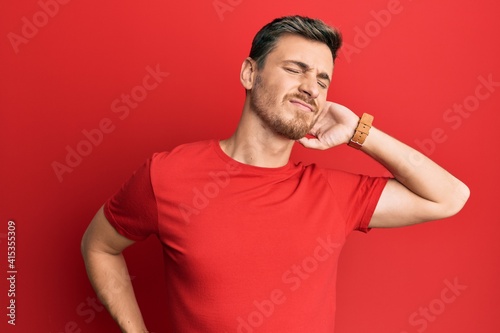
(306, 67)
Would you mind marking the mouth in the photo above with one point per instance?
(302, 105)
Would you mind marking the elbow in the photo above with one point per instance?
(84, 245)
(458, 199)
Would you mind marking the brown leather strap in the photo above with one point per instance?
(359, 137)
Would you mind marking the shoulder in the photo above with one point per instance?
(322, 172)
(186, 150)
(183, 159)
(342, 180)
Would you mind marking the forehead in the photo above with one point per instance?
(313, 53)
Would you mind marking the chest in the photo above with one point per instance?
(238, 226)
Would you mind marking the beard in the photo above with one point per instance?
(262, 101)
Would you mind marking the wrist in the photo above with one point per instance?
(361, 132)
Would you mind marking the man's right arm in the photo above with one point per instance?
(102, 248)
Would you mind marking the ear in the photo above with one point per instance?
(248, 72)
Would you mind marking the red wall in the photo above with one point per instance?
(421, 67)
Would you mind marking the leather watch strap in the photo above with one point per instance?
(359, 137)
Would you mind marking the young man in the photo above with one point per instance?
(250, 239)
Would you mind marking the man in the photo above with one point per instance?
(250, 239)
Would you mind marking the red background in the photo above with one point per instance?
(407, 71)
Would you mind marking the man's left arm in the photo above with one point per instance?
(420, 191)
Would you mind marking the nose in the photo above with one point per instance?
(309, 86)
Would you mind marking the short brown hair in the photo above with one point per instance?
(267, 37)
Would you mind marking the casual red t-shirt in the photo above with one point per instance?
(246, 249)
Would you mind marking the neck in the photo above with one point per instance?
(255, 144)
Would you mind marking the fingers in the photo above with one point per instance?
(312, 143)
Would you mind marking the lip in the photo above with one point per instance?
(302, 105)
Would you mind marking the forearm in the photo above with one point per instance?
(109, 276)
(417, 172)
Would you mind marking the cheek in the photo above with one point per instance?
(275, 86)
(275, 93)
(282, 85)
(321, 101)
(265, 96)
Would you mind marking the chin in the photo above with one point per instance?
(293, 133)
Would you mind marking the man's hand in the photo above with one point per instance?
(335, 125)
(421, 191)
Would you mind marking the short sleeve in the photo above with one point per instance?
(132, 211)
(357, 196)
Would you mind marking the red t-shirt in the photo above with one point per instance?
(246, 249)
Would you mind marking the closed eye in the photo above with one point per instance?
(292, 70)
(298, 71)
